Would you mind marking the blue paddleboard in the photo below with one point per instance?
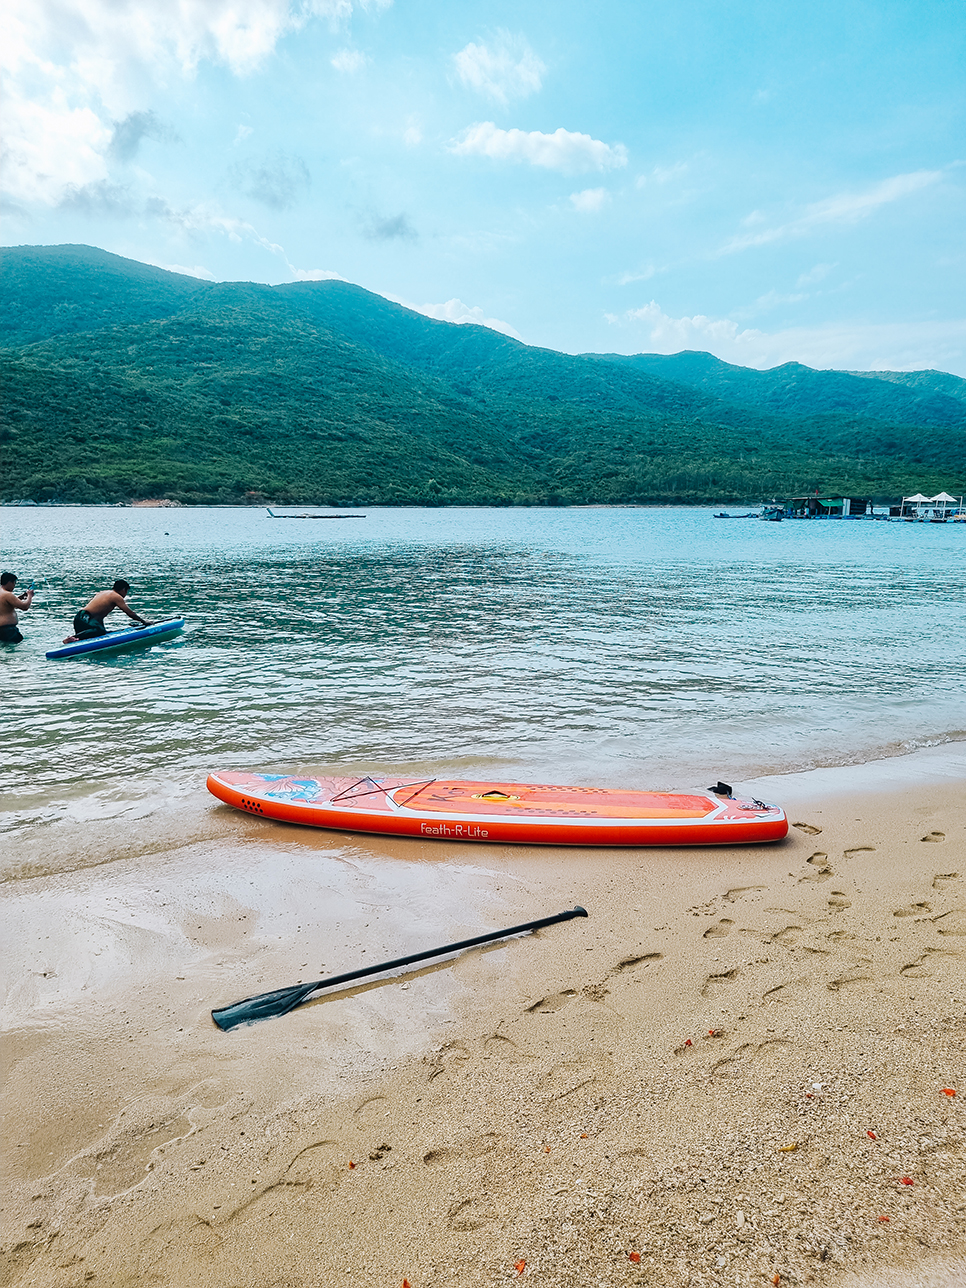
(121, 639)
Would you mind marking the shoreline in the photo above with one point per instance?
(642, 1082)
(101, 821)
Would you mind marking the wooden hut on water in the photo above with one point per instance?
(835, 507)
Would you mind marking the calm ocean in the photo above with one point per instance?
(648, 647)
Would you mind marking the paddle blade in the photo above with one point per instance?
(263, 1007)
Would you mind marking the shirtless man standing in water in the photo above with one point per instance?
(89, 622)
(9, 604)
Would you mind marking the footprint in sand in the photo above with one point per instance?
(787, 937)
(838, 901)
(941, 879)
(321, 1163)
(951, 923)
(498, 1045)
(471, 1214)
(731, 895)
(760, 1053)
(808, 828)
(553, 1002)
(321, 1160)
(859, 849)
(371, 1110)
(569, 1076)
(595, 992)
(914, 910)
(129, 1161)
(719, 929)
(178, 1242)
(628, 962)
(921, 969)
(819, 862)
(469, 1148)
(449, 1056)
(782, 992)
(715, 985)
(859, 974)
(934, 836)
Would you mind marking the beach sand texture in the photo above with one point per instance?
(738, 1070)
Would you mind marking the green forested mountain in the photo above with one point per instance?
(940, 382)
(124, 381)
(927, 398)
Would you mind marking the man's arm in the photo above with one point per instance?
(26, 599)
(119, 602)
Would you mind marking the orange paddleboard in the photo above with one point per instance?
(519, 813)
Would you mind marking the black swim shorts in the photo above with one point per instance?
(87, 627)
(10, 635)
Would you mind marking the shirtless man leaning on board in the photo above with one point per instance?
(89, 622)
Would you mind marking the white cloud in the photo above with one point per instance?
(456, 311)
(590, 200)
(107, 200)
(672, 334)
(889, 346)
(562, 150)
(815, 275)
(506, 68)
(843, 208)
(276, 180)
(197, 271)
(73, 67)
(642, 275)
(412, 136)
(483, 242)
(244, 132)
(662, 174)
(316, 275)
(772, 299)
(50, 146)
(349, 60)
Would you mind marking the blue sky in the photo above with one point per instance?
(765, 180)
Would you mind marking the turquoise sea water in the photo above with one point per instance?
(648, 647)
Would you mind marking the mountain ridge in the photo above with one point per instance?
(125, 380)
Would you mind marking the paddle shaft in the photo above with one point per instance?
(450, 948)
(301, 992)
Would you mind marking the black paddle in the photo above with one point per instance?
(267, 1005)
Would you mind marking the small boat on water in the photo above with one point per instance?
(518, 813)
(272, 515)
(723, 515)
(114, 641)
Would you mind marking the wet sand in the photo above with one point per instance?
(730, 1071)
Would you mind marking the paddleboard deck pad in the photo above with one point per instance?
(518, 813)
(114, 640)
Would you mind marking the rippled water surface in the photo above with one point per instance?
(625, 646)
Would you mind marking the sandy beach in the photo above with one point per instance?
(740, 1069)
